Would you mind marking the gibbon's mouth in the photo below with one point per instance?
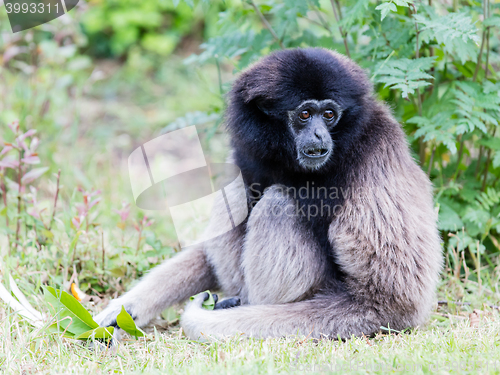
(315, 153)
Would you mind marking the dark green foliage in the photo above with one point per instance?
(436, 65)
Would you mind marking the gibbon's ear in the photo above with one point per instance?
(264, 106)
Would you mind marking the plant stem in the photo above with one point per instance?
(474, 78)
(103, 250)
(479, 57)
(267, 25)
(322, 22)
(487, 53)
(74, 254)
(36, 236)
(421, 142)
(338, 17)
(431, 161)
(19, 173)
(4, 197)
(481, 151)
(55, 200)
(486, 6)
(488, 160)
(431, 53)
(139, 242)
(460, 154)
(218, 73)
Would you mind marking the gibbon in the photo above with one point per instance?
(341, 235)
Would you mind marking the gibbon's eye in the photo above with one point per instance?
(328, 114)
(304, 115)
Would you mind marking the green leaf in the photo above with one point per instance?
(449, 219)
(405, 74)
(97, 333)
(209, 304)
(355, 14)
(496, 160)
(492, 22)
(386, 8)
(125, 322)
(73, 244)
(70, 313)
(56, 329)
(493, 143)
(439, 128)
(454, 32)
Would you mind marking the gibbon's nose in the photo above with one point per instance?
(317, 133)
(320, 133)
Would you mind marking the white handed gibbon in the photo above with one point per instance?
(341, 234)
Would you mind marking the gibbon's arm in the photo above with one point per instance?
(174, 281)
(386, 242)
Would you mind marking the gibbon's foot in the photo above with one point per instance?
(107, 317)
(226, 303)
(196, 321)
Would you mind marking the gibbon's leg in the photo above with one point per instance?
(330, 316)
(186, 274)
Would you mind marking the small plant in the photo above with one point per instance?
(74, 321)
(25, 145)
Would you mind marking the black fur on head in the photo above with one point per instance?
(263, 96)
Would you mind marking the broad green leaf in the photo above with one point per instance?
(493, 143)
(97, 333)
(125, 322)
(65, 305)
(492, 22)
(449, 219)
(57, 329)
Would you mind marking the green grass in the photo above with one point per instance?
(449, 346)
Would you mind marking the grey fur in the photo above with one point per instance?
(384, 238)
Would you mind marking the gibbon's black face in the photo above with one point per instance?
(297, 110)
(311, 124)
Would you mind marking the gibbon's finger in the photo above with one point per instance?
(215, 297)
(228, 303)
